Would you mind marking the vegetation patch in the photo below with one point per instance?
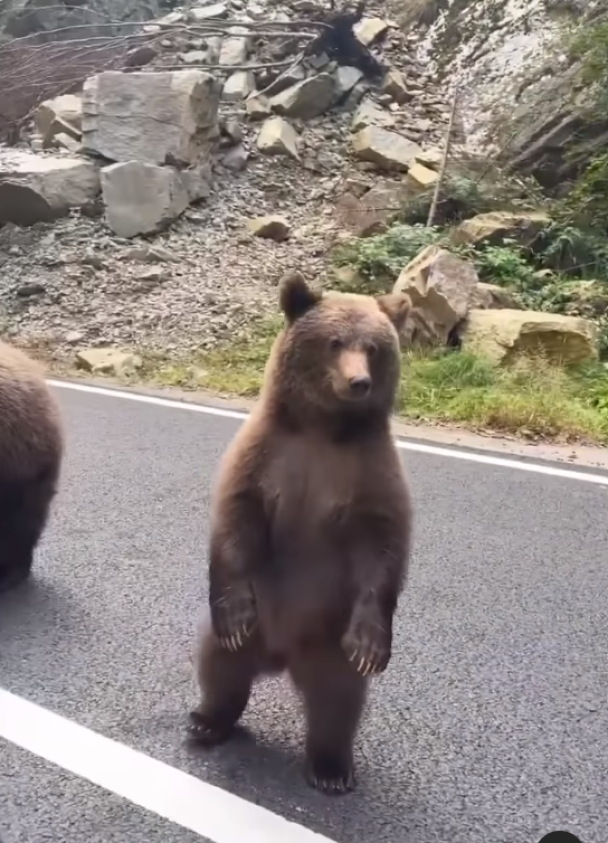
(564, 271)
(232, 369)
(531, 399)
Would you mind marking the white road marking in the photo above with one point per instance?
(451, 453)
(165, 791)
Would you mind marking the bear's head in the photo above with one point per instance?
(338, 353)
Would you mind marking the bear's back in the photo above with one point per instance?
(30, 425)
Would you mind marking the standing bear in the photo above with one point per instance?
(310, 528)
(31, 452)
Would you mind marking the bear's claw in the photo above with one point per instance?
(236, 641)
(368, 653)
(234, 617)
(201, 730)
(331, 780)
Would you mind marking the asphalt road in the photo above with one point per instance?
(491, 723)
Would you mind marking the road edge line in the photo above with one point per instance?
(522, 464)
(166, 791)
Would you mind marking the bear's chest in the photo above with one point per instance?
(310, 486)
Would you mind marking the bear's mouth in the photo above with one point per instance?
(355, 400)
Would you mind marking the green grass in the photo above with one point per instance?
(233, 369)
(531, 399)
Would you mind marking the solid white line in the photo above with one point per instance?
(149, 399)
(176, 796)
(433, 450)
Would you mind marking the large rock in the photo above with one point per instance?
(421, 177)
(492, 297)
(306, 99)
(370, 30)
(235, 49)
(430, 158)
(289, 77)
(278, 137)
(395, 86)
(492, 228)
(387, 150)
(368, 114)
(505, 335)
(441, 287)
(61, 115)
(35, 188)
(257, 106)
(215, 10)
(345, 79)
(551, 143)
(238, 86)
(142, 198)
(582, 298)
(375, 210)
(151, 117)
(75, 21)
(272, 227)
(107, 361)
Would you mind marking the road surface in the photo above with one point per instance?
(491, 723)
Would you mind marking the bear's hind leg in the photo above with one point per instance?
(225, 679)
(334, 698)
(24, 510)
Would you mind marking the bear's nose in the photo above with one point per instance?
(360, 386)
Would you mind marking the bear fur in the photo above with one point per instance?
(31, 451)
(310, 528)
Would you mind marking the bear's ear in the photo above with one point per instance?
(396, 306)
(296, 297)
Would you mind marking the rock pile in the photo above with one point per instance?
(232, 110)
(452, 307)
(142, 140)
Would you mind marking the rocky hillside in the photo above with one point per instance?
(158, 205)
(517, 82)
(157, 181)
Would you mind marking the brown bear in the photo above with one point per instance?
(310, 528)
(31, 451)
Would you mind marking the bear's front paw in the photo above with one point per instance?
(234, 616)
(368, 646)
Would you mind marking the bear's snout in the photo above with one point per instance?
(352, 376)
(360, 385)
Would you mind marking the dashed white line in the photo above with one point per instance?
(165, 791)
(433, 450)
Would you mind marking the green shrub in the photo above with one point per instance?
(546, 279)
(380, 259)
(593, 382)
(586, 204)
(466, 195)
(507, 265)
(574, 250)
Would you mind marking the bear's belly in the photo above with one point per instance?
(304, 594)
(305, 591)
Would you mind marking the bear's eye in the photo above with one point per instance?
(335, 343)
(372, 349)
